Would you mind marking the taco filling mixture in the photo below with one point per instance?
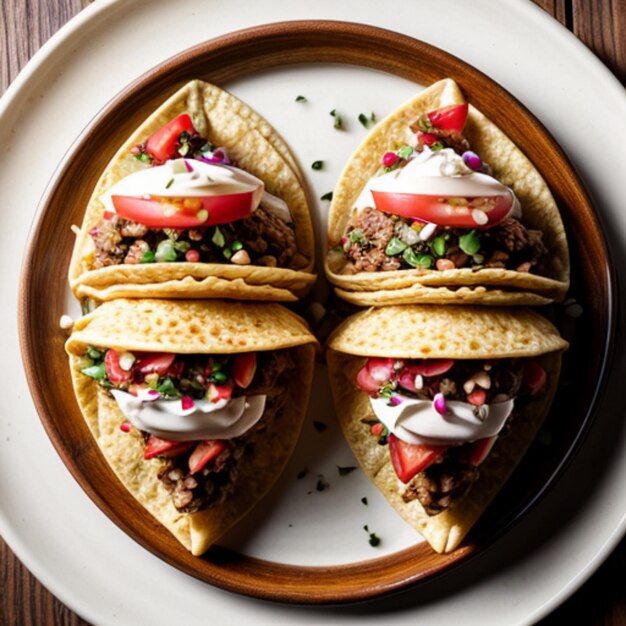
(435, 206)
(200, 414)
(191, 204)
(441, 417)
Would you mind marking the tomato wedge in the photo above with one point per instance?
(164, 447)
(534, 376)
(114, 371)
(244, 368)
(480, 449)
(451, 118)
(365, 381)
(452, 211)
(162, 144)
(204, 452)
(409, 459)
(159, 362)
(164, 212)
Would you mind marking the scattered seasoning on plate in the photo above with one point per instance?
(321, 483)
(344, 471)
(327, 196)
(300, 99)
(367, 122)
(320, 427)
(364, 500)
(374, 539)
(338, 121)
(317, 165)
(302, 473)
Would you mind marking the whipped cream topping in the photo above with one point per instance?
(225, 419)
(417, 421)
(442, 173)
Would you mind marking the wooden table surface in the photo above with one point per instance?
(26, 24)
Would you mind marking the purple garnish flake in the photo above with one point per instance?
(188, 165)
(439, 402)
(472, 160)
(395, 401)
(148, 395)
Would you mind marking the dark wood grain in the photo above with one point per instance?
(26, 24)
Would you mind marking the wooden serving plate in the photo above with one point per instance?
(219, 61)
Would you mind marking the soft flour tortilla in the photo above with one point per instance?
(509, 165)
(192, 327)
(436, 332)
(255, 147)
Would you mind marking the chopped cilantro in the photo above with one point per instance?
(470, 243)
(327, 196)
(414, 260)
(167, 388)
(367, 121)
(395, 246)
(94, 354)
(218, 238)
(236, 246)
(439, 245)
(144, 157)
(344, 471)
(170, 182)
(317, 165)
(300, 99)
(147, 257)
(95, 371)
(356, 235)
(338, 121)
(320, 427)
(405, 152)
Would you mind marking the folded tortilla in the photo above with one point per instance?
(509, 165)
(192, 327)
(441, 332)
(255, 147)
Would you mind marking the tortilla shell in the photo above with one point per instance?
(509, 165)
(192, 327)
(445, 531)
(256, 147)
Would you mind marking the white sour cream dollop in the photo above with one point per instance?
(442, 173)
(417, 422)
(225, 419)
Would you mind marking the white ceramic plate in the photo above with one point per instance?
(87, 561)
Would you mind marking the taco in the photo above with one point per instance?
(439, 404)
(438, 197)
(195, 405)
(203, 200)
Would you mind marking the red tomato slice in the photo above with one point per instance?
(204, 452)
(164, 447)
(409, 459)
(480, 449)
(381, 370)
(427, 208)
(162, 144)
(215, 393)
(190, 212)
(159, 362)
(115, 373)
(244, 368)
(452, 117)
(365, 381)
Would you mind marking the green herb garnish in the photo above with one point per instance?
(439, 245)
(338, 121)
(417, 260)
(320, 427)
(300, 99)
(95, 371)
(356, 235)
(170, 182)
(367, 121)
(317, 165)
(395, 246)
(227, 252)
(166, 252)
(435, 147)
(344, 471)
(327, 196)
(218, 238)
(219, 377)
(182, 246)
(147, 257)
(167, 388)
(405, 152)
(144, 157)
(469, 243)
(236, 246)
(374, 539)
(94, 354)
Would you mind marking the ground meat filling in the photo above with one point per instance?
(263, 237)
(376, 241)
(443, 482)
(450, 477)
(217, 481)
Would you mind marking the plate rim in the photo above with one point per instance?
(290, 27)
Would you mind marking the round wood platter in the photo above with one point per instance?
(219, 61)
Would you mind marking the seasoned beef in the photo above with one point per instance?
(443, 482)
